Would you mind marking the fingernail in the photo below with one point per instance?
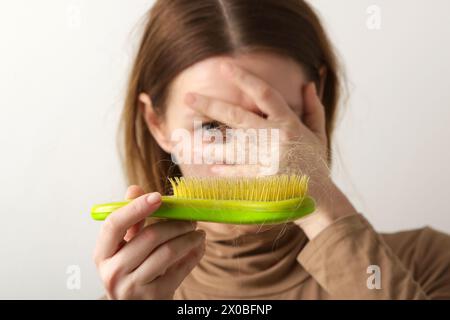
(228, 68)
(190, 99)
(154, 198)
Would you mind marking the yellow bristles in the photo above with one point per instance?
(269, 188)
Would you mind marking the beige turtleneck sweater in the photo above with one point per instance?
(342, 262)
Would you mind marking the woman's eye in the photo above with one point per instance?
(214, 125)
(218, 131)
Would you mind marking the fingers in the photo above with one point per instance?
(175, 275)
(134, 230)
(229, 114)
(152, 236)
(269, 100)
(166, 255)
(314, 111)
(116, 225)
(132, 193)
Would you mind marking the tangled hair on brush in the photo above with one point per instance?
(179, 33)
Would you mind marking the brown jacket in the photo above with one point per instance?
(344, 261)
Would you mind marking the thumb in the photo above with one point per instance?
(313, 111)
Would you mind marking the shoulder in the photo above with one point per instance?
(426, 240)
(426, 253)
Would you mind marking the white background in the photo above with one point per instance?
(63, 69)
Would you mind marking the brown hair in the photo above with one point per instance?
(180, 33)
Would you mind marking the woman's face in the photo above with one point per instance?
(206, 78)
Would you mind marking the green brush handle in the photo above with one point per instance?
(221, 211)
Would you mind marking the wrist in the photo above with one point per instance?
(331, 206)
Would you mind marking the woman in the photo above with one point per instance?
(248, 64)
